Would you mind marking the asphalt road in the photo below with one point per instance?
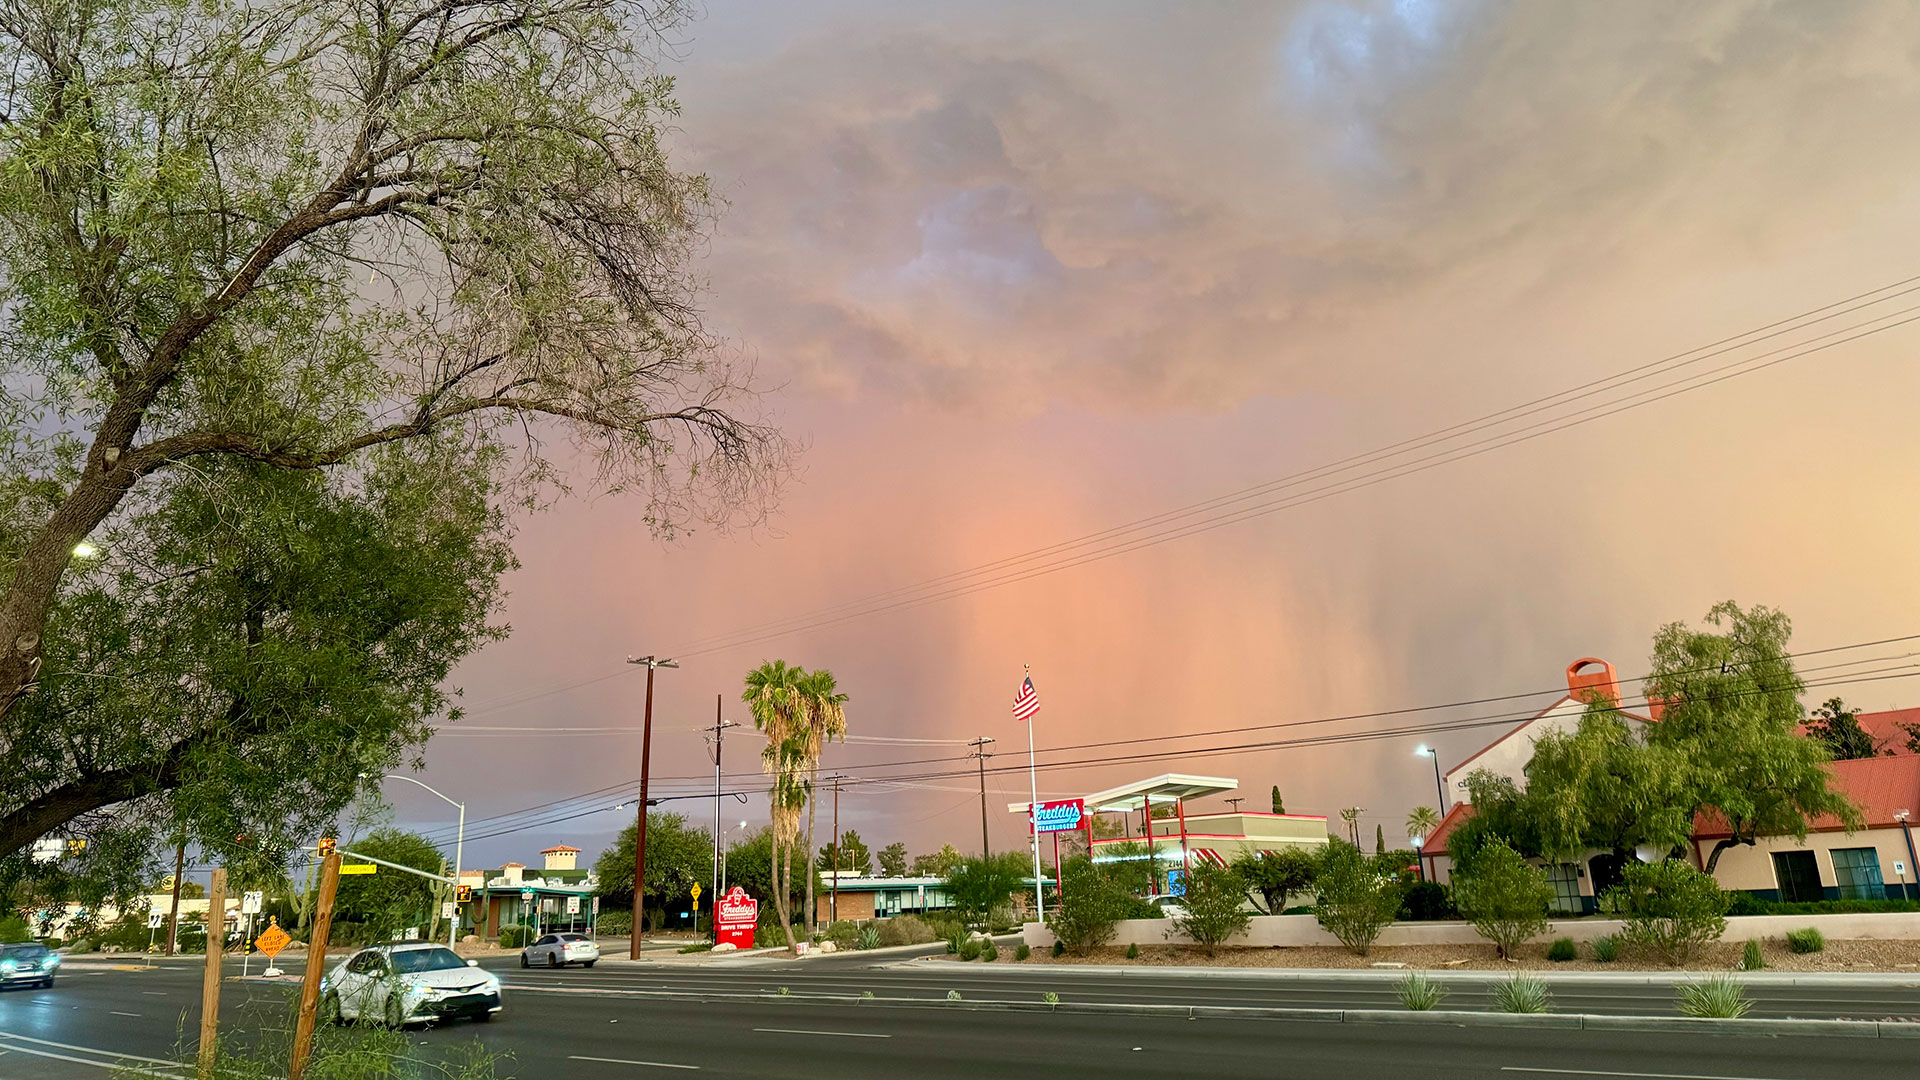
(590, 1024)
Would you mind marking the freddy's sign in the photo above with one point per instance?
(1063, 816)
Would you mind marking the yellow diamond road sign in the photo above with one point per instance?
(696, 890)
(272, 940)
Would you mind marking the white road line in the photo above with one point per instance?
(154, 993)
(840, 1034)
(1634, 1075)
(146, 1070)
(89, 1050)
(625, 1061)
(110, 1012)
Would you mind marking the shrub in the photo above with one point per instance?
(869, 938)
(1091, 909)
(128, 935)
(1059, 949)
(698, 946)
(1606, 949)
(1504, 897)
(1675, 909)
(989, 952)
(1420, 993)
(1133, 951)
(1426, 901)
(969, 949)
(1276, 875)
(1022, 951)
(1562, 950)
(1839, 907)
(1752, 958)
(511, 937)
(1213, 898)
(843, 934)
(978, 886)
(906, 930)
(1720, 997)
(1050, 998)
(1810, 940)
(1522, 994)
(1355, 901)
(614, 923)
(13, 929)
(1742, 902)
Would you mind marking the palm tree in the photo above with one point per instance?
(1421, 823)
(773, 697)
(1351, 815)
(826, 720)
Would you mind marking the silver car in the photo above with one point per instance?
(27, 965)
(559, 950)
(408, 984)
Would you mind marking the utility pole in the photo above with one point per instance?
(179, 872)
(980, 751)
(316, 962)
(210, 981)
(1235, 804)
(640, 829)
(716, 735)
(833, 889)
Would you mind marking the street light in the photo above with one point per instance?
(1438, 787)
(1419, 863)
(1906, 829)
(459, 846)
(640, 826)
(731, 829)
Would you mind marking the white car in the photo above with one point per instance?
(408, 984)
(559, 950)
(1171, 906)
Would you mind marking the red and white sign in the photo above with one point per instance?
(1067, 815)
(736, 915)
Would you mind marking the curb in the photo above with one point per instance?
(1858, 1029)
(1884, 980)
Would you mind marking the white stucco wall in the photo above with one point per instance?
(1509, 756)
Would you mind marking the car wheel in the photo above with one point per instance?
(330, 1010)
(393, 1017)
(47, 982)
(590, 963)
(523, 959)
(554, 961)
(484, 1018)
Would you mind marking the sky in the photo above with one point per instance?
(1018, 273)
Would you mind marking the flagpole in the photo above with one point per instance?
(1033, 815)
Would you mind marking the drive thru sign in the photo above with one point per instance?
(735, 915)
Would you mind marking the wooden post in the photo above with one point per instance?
(316, 966)
(173, 916)
(210, 985)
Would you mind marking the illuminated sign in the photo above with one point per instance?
(1064, 816)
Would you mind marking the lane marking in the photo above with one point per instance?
(626, 1061)
(116, 1055)
(839, 1034)
(154, 993)
(110, 1012)
(1636, 1075)
(147, 1070)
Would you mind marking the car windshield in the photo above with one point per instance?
(24, 953)
(412, 960)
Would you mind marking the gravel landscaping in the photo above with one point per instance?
(1840, 956)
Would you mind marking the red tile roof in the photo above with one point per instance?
(559, 847)
(1878, 786)
(1886, 731)
(1437, 840)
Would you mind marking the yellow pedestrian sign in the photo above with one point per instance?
(696, 890)
(356, 868)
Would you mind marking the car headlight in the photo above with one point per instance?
(51, 961)
(492, 984)
(8, 966)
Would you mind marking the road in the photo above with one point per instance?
(601, 1025)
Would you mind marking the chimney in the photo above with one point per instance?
(1589, 678)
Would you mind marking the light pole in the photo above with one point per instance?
(719, 731)
(1419, 863)
(723, 861)
(459, 848)
(1901, 816)
(640, 828)
(1439, 788)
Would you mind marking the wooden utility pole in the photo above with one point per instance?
(316, 965)
(640, 820)
(173, 918)
(210, 984)
(833, 888)
(980, 751)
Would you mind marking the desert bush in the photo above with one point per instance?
(511, 937)
(1059, 949)
(14, 929)
(1674, 908)
(1522, 994)
(1742, 902)
(1213, 898)
(1092, 907)
(1419, 992)
(969, 949)
(1751, 957)
(1426, 901)
(1562, 950)
(989, 952)
(1810, 940)
(1022, 951)
(843, 934)
(1718, 998)
(614, 923)
(1606, 949)
(905, 930)
(1504, 897)
(1355, 900)
(1133, 951)
(869, 937)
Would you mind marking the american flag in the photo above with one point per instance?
(1028, 702)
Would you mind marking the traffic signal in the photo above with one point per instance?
(463, 894)
(326, 846)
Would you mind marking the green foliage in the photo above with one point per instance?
(1279, 807)
(869, 937)
(905, 930)
(843, 934)
(1810, 940)
(1752, 957)
(937, 864)
(750, 866)
(1022, 951)
(696, 947)
(1050, 997)
(1838, 727)
(1419, 992)
(1742, 902)
(514, 936)
(1718, 997)
(969, 949)
(339, 1052)
(679, 856)
(1421, 821)
(389, 900)
(1213, 899)
(1091, 905)
(1606, 948)
(893, 860)
(853, 855)
(1505, 898)
(1355, 898)
(1562, 950)
(613, 923)
(1059, 949)
(14, 929)
(1133, 950)
(1426, 901)
(1277, 875)
(1833, 907)
(1521, 993)
(1379, 839)
(1673, 909)
(989, 952)
(977, 886)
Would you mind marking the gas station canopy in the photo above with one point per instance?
(1165, 788)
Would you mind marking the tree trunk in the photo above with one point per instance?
(782, 901)
(1713, 857)
(813, 876)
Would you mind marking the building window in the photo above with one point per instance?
(1857, 871)
(1798, 875)
(1566, 888)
